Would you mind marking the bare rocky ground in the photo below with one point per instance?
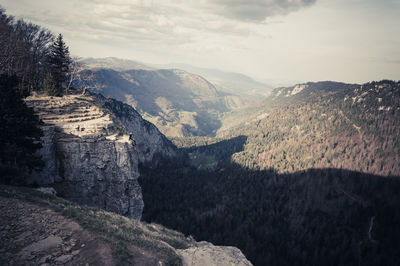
(41, 229)
(75, 115)
(33, 235)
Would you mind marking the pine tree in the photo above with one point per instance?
(59, 61)
(49, 85)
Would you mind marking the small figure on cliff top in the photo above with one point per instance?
(131, 139)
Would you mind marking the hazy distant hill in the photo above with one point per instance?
(319, 125)
(177, 102)
(114, 63)
(231, 82)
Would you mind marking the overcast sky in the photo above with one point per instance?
(284, 40)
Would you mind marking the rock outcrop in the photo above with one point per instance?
(205, 253)
(89, 156)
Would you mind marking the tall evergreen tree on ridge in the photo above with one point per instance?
(59, 61)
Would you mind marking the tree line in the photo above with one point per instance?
(31, 59)
(38, 59)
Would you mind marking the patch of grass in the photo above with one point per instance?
(119, 231)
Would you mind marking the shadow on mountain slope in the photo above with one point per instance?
(312, 217)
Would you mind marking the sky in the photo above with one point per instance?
(272, 40)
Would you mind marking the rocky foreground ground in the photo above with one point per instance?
(33, 235)
(41, 229)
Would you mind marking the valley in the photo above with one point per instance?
(179, 103)
(307, 174)
(200, 133)
(316, 216)
(302, 178)
(311, 163)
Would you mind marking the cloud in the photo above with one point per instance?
(168, 22)
(254, 10)
(258, 37)
(207, 25)
(97, 19)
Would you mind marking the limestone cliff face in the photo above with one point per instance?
(89, 157)
(149, 140)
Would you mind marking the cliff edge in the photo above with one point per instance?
(41, 229)
(89, 156)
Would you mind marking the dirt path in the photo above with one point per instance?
(33, 235)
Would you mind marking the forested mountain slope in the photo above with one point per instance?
(319, 125)
(308, 177)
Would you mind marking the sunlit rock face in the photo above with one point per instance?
(88, 154)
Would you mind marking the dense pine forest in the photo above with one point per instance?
(310, 217)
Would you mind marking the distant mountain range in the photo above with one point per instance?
(179, 103)
(230, 82)
(114, 63)
(308, 125)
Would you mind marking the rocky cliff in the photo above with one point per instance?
(89, 157)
